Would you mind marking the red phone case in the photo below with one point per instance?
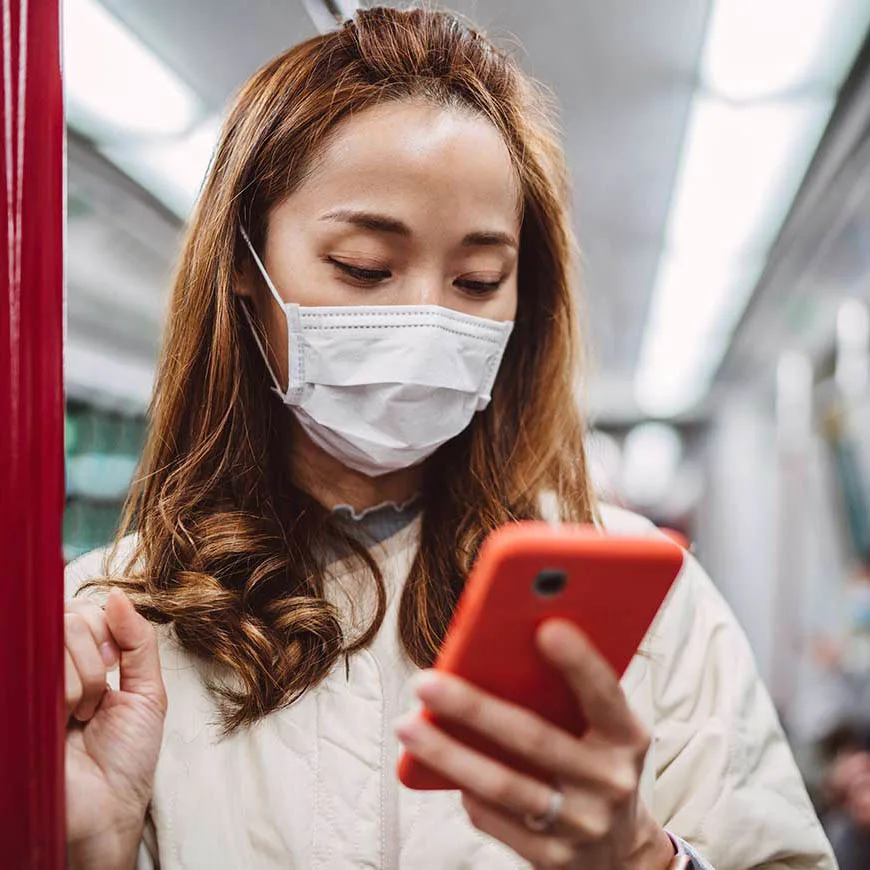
(613, 590)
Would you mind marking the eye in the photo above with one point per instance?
(478, 288)
(360, 275)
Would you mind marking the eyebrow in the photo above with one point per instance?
(369, 221)
(382, 224)
(489, 239)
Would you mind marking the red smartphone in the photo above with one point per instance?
(610, 587)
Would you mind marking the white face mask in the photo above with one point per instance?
(383, 387)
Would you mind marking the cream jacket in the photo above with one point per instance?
(313, 786)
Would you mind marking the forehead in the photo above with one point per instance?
(413, 150)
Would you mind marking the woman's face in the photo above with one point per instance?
(410, 204)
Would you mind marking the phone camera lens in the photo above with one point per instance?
(550, 582)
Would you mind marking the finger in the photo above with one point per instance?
(95, 617)
(538, 849)
(470, 770)
(596, 685)
(525, 734)
(88, 663)
(137, 640)
(73, 685)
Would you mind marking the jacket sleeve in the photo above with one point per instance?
(726, 781)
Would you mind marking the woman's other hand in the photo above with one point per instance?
(600, 822)
(112, 737)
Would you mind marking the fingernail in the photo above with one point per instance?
(554, 634)
(406, 727)
(426, 684)
(114, 593)
(110, 655)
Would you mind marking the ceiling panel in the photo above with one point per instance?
(821, 257)
(214, 45)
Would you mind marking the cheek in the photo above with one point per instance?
(308, 281)
(296, 268)
(506, 303)
(501, 307)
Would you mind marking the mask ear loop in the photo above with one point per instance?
(254, 331)
(276, 295)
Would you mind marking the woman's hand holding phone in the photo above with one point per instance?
(595, 820)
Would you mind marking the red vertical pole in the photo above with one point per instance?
(31, 438)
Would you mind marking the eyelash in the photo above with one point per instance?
(373, 276)
(365, 276)
(480, 288)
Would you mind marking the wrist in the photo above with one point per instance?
(653, 848)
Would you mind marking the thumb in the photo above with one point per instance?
(137, 641)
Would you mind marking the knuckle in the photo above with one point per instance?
(500, 789)
(84, 606)
(470, 706)
(75, 625)
(95, 616)
(94, 681)
(73, 688)
(90, 664)
(434, 752)
(643, 742)
(573, 819)
(623, 781)
(556, 855)
(596, 823)
(537, 739)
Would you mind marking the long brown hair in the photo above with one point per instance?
(229, 550)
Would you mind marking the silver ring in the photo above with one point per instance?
(543, 822)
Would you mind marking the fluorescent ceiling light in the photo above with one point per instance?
(696, 304)
(115, 86)
(741, 168)
(775, 48)
(769, 80)
(173, 170)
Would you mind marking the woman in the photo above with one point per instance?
(383, 246)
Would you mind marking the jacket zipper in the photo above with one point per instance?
(389, 787)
